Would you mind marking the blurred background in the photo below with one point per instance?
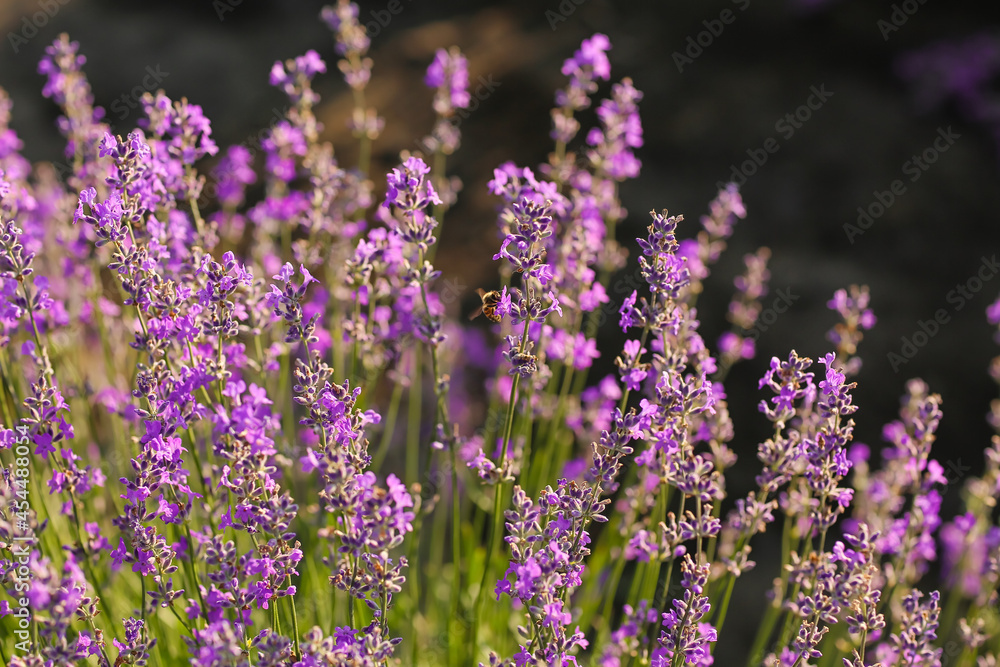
(719, 78)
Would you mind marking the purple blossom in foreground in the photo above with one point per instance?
(632, 637)
(548, 543)
(527, 225)
(918, 626)
(789, 381)
(286, 302)
(666, 274)
(685, 632)
(252, 517)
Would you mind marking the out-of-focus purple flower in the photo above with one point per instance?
(294, 75)
(964, 70)
(352, 43)
(744, 309)
(81, 123)
(631, 637)
(233, 173)
(620, 132)
(449, 74)
(283, 146)
(588, 65)
(350, 35)
(858, 317)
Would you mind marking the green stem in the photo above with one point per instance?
(414, 405)
(388, 427)
(498, 495)
(456, 558)
(295, 623)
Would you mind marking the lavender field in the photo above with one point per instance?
(391, 364)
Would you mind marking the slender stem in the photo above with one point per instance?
(295, 623)
(414, 409)
(773, 611)
(498, 495)
(388, 427)
(456, 554)
(724, 605)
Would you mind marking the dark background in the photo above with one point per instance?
(697, 125)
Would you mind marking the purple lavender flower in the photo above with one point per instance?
(620, 132)
(717, 227)
(449, 74)
(284, 145)
(588, 65)
(791, 383)
(857, 318)
(81, 123)
(56, 600)
(631, 637)
(291, 75)
(744, 309)
(352, 43)
(233, 173)
(547, 553)
(918, 626)
(666, 274)
(286, 302)
(962, 70)
(686, 634)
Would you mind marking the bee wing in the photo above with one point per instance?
(476, 313)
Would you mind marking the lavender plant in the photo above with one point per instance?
(205, 491)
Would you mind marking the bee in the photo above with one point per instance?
(489, 308)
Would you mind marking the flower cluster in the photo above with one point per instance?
(199, 465)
